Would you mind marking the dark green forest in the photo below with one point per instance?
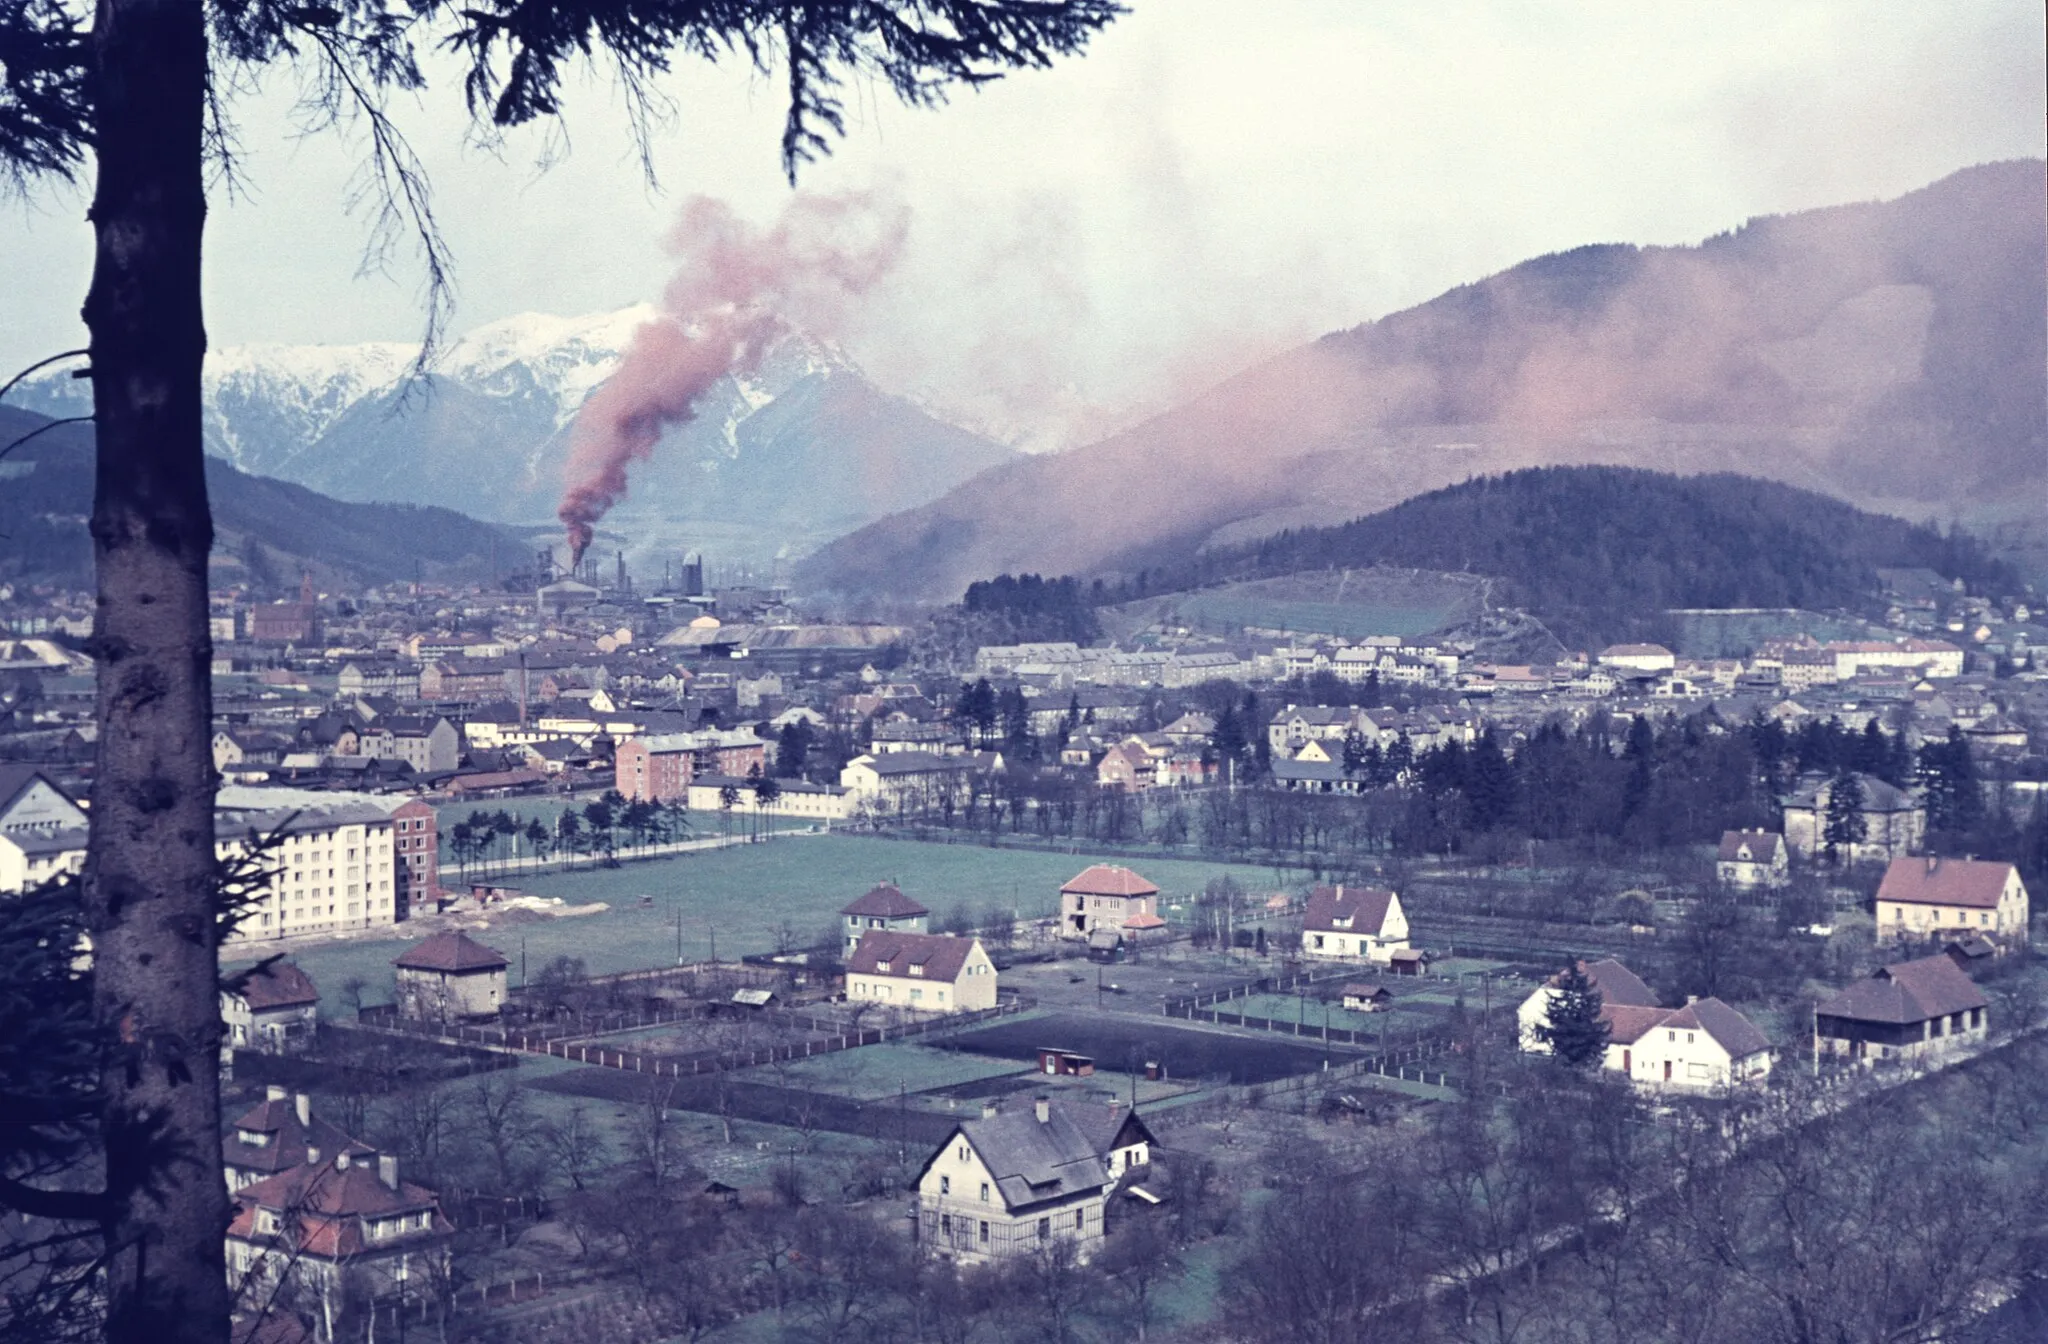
(273, 526)
(1600, 553)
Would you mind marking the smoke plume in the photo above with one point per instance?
(737, 289)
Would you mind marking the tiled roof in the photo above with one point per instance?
(1731, 1030)
(1762, 846)
(1105, 879)
(330, 1201)
(279, 985)
(1617, 984)
(1627, 1023)
(288, 1139)
(452, 951)
(1975, 883)
(1908, 992)
(941, 956)
(1365, 907)
(885, 900)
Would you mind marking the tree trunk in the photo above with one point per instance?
(150, 863)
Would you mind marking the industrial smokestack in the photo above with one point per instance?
(736, 291)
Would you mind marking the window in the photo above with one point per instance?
(1080, 1217)
(1319, 942)
(984, 1192)
(984, 1232)
(946, 1224)
(945, 1185)
(1044, 1228)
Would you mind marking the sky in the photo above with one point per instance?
(1210, 183)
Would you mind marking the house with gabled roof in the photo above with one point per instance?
(1750, 859)
(338, 1227)
(450, 977)
(275, 1135)
(1930, 897)
(274, 1010)
(884, 906)
(1908, 1010)
(1104, 896)
(1014, 1181)
(1618, 987)
(1705, 1046)
(1344, 923)
(925, 972)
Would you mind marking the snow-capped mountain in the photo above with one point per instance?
(778, 460)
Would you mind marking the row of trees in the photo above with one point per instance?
(598, 829)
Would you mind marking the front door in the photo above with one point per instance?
(1667, 1070)
(1628, 1067)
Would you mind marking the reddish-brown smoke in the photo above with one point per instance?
(736, 289)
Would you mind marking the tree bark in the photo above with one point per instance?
(149, 878)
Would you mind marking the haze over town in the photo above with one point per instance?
(1358, 673)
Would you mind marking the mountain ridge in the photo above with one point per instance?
(1884, 352)
(485, 430)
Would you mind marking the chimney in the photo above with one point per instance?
(1043, 1106)
(1932, 863)
(304, 1105)
(387, 1171)
(275, 1093)
(312, 1156)
(341, 1160)
(989, 1110)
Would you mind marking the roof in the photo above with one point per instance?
(1731, 1030)
(1878, 796)
(1618, 985)
(1975, 883)
(1106, 879)
(920, 762)
(278, 1118)
(1907, 992)
(1628, 1023)
(1141, 920)
(279, 985)
(885, 900)
(941, 955)
(1763, 846)
(1033, 1161)
(453, 951)
(1365, 908)
(330, 1199)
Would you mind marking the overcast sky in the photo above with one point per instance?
(1212, 182)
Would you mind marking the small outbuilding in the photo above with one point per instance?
(451, 977)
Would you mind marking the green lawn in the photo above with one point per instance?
(741, 896)
(877, 1072)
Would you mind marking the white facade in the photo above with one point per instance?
(333, 869)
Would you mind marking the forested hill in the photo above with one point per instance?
(1600, 552)
(265, 530)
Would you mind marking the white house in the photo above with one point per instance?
(1353, 924)
(1015, 1181)
(1753, 859)
(1929, 897)
(934, 973)
(275, 1011)
(1619, 987)
(1705, 1046)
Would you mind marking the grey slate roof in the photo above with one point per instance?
(1037, 1162)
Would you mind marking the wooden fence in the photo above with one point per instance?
(827, 1036)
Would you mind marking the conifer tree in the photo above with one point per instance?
(1845, 824)
(1573, 1027)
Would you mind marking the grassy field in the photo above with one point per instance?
(877, 1072)
(742, 895)
(1732, 634)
